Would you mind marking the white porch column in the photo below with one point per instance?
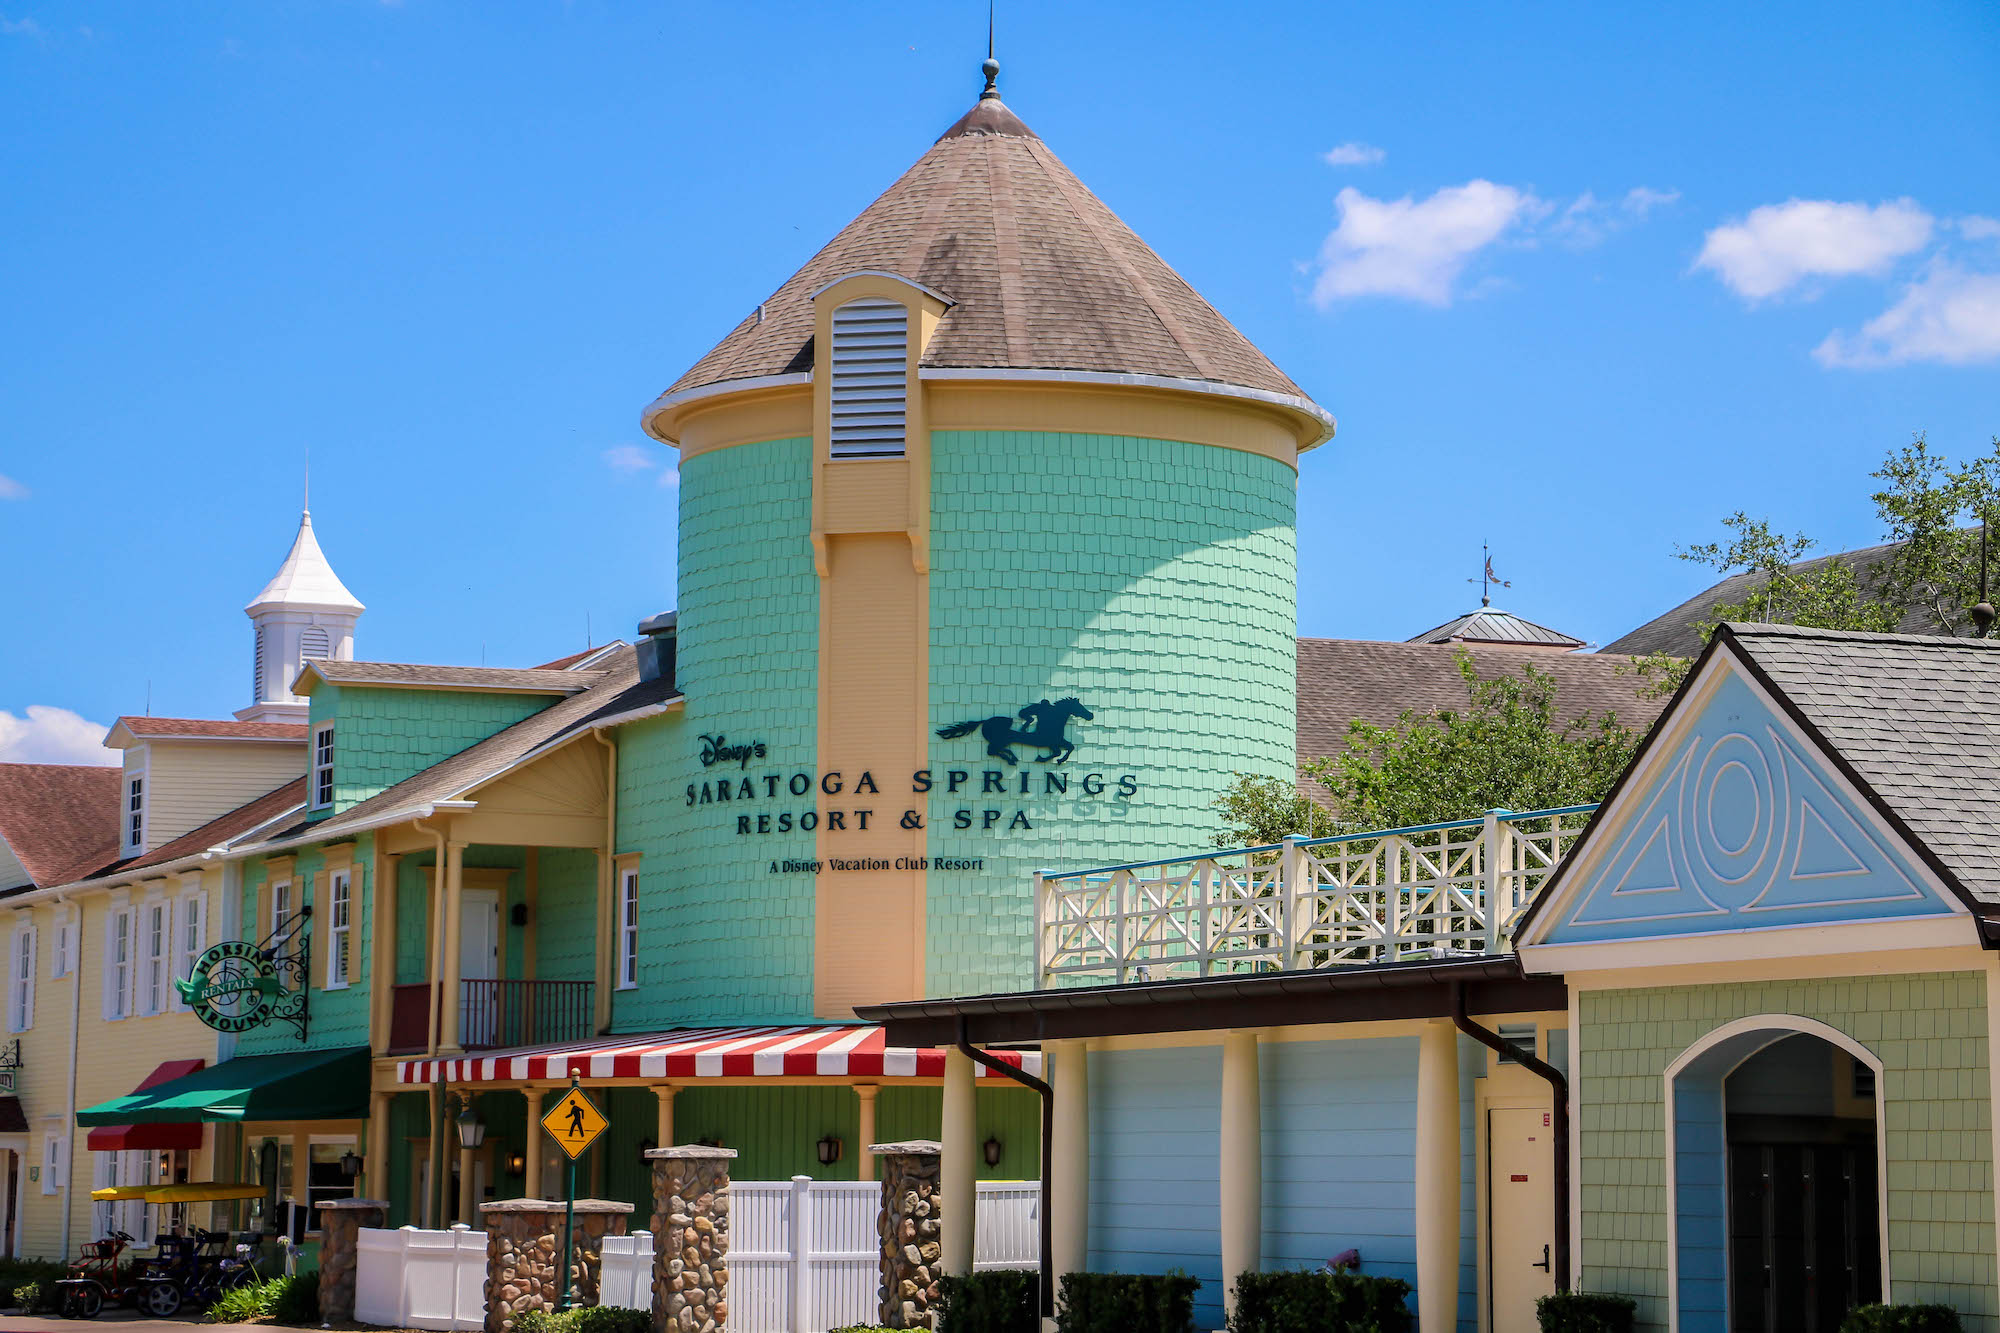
(453, 910)
(531, 1182)
(1438, 1172)
(1069, 1156)
(958, 1174)
(1242, 1165)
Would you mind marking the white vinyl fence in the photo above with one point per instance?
(627, 1276)
(421, 1279)
(804, 1254)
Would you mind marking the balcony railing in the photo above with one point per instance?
(1437, 891)
(493, 1014)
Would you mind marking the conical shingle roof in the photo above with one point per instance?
(306, 580)
(1041, 274)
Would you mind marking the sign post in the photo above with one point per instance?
(574, 1123)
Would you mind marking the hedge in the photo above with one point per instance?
(1000, 1301)
(1585, 1312)
(1126, 1303)
(1320, 1302)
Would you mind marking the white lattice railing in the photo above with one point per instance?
(1385, 896)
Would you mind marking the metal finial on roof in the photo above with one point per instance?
(1487, 579)
(990, 67)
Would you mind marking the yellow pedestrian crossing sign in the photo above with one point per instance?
(574, 1123)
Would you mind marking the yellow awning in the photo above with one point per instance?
(111, 1192)
(203, 1191)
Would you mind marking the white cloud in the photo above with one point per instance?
(1780, 245)
(638, 458)
(11, 489)
(1976, 228)
(1949, 316)
(1354, 155)
(1639, 201)
(19, 27)
(1415, 249)
(51, 735)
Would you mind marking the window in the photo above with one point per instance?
(191, 939)
(135, 813)
(628, 929)
(869, 380)
(281, 905)
(324, 1178)
(159, 942)
(339, 913)
(52, 1161)
(59, 956)
(21, 993)
(118, 965)
(322, 776)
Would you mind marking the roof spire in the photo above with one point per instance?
(990, 67)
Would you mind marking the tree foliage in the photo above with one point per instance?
(1506, 749)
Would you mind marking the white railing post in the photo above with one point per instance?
(1121, 886)
(1392, 896)
(801, 1237)
(1490, 894)
(1293, 890)
(1042, 959)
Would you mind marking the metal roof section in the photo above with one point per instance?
(1489, 624)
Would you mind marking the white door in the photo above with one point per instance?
(479, 960)
(1521, 1223)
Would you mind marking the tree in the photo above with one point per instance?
(1505, 749)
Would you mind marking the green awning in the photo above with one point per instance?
(304, 1085)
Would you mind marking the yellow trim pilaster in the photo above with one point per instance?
(453, 909)
(1241, 1165)
(1438, 1169)
(1069, 1155)
(958, 1178)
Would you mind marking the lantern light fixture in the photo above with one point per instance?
(993, 1148)
(471, 1129)
(350, 1164)
(829, 1149)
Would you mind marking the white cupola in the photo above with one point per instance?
(304, 612)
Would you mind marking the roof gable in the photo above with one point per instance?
(59, 819)
(1734, 819)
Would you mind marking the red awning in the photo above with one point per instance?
(695, 1053)
(118, 1138)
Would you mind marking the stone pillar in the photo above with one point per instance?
(1069, 1157)
(691, 1239)
(1439, 1168)
(341, 1221)
(959, 1161)
(912, 1232)
(1242, 1163)
(523, 1237)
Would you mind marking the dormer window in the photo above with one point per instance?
(869, 383)
(322, 767)
(135, 813)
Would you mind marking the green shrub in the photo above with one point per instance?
(1001, 1301)
(36, 1297)
(250, 1301)
(1126, 1303)
(1901, 1319)
(585, 1319)
(1320, 1302)
(296, 1300)
(1585, 1312)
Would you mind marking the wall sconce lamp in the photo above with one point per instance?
(517, 1163)
(645, 1146)
(829, 1149)
(471, 1129)
(993, 1148)
(350, 1164)
(518, 914)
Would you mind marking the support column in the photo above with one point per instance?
(465, 1209)
(958, 1171)
(537, 1099)
(691, 1238)
(453, 909)
(1069, 1157)
(663, 1132)
(910, 1227)
(301, 1167)
(1438, 1171)
(382, 948)
(375, 1166)
(602, 972)
(1242, 1163)
(864, 1157)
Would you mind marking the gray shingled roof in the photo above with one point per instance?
(529, 680)
(1912, 718)
(1042, 275)
(1489, 624)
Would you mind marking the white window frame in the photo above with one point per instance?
(190, 934)
(322, 767)
(339, 918)
(120, 935)
(60, 957)
(628, 928)
(21, 978)
(134, 813)
(53, 1175)
(155, 979)
(281, 905)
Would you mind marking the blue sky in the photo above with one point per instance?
(1576, 280)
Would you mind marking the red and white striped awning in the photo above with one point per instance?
(798, 1051)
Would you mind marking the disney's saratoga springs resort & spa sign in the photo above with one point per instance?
(763, 802)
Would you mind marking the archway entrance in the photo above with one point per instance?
(1776, 1167)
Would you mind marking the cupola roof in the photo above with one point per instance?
(1489, 624)
(305, 580)
(1041, 276)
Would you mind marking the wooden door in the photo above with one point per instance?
(1521, 1212)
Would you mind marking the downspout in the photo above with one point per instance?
(1047, 1094)
(75, 1026)
(1558, 1119)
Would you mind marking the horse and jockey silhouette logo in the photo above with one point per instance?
(1047, 725)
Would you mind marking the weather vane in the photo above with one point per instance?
(1487, 578)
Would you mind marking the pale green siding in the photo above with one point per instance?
(1930, 1034)
(382, 736)
(722, 940)
(1153, 580)
(335, 1017)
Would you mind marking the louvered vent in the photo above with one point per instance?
(257, 669)
(871, 347)
(314, 643)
